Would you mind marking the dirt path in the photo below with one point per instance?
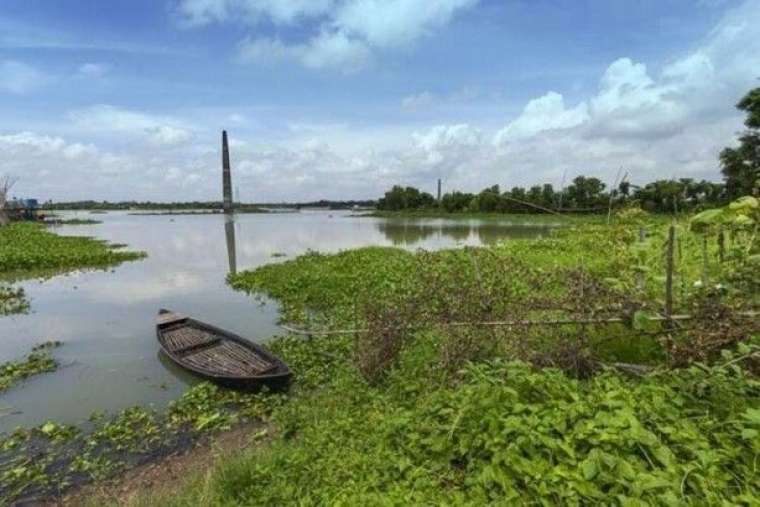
(168, 473)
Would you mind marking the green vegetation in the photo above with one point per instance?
(12, 300)
(73, 221)
(504, 432)
(38, 361)
(418, 403)
(28, 246)
(583, 195)
(51, 457)
(740, 167)
(433, 415)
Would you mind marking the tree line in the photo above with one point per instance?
(583, 195)
(740, 167)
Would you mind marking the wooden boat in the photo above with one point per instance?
(218, 355)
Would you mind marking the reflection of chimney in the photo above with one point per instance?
(439, 189)
(229, 233)
(226, 175)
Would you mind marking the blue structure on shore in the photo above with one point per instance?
(23, 209)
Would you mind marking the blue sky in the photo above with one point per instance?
(343, 98)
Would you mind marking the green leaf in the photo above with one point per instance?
(589, 469)
(745, 203)
(752, 415)
(703, 221)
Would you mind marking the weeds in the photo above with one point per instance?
(12, 300)
(25, 246)
(38, 361)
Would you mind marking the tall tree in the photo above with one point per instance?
(6, 182)
(741, 165)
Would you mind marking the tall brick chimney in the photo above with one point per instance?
(226, 174)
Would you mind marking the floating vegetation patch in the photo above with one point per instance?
(73, 221)
(13, 300)
(52, 457)
(26, 246)
(40, 360)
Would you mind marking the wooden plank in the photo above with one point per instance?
(168, 318)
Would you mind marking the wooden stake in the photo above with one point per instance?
(640, 276)
(704, 260)
(669, 267)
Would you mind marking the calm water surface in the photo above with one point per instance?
(105, 318)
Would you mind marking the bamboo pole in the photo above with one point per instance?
(511, 323)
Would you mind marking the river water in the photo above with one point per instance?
(105, 318)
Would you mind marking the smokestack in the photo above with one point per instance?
(226, 174)
(439, 189)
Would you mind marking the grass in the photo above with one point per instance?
(30, 247)
(493, 429)
(502, 433)
(416, 417)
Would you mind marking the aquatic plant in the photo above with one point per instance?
(73, 221)
(26, 246)
(504, 432)
(38, 361)
(12, 300)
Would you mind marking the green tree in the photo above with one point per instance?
(456, 201)
(586, 192)
(741, 165)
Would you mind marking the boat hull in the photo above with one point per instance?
(218, 355)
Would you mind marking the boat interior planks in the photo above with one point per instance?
(217, 354)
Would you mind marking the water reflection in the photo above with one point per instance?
(402, 232)
(105, 318)
(229, 233)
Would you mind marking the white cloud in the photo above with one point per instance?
(93, 70)
(203, 12)
(654, 122)
(30, 140)
(161, 130)
(544, 113)
(418, 101)
(79, 150)
(393, 23)
(168, 135)
(448, 142)
(336, 49)
(20, 78)
(266, 50)
(632, 104)
(349, 32)
(327, 50)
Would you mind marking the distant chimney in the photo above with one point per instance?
(226, 174)
(439, 189)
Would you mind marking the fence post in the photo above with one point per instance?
(705, 266)
(669, 266)
(721, 244)
(640, 277)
